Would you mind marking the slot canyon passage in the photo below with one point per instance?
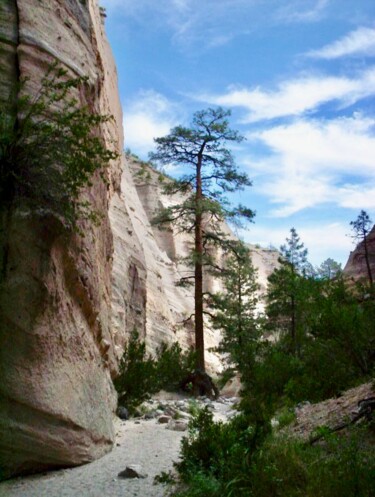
(69, 303)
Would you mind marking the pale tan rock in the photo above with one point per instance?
(56, 350)
(67, 306)
(356, 268)
(147, 265)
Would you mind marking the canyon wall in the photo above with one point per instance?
(356, 267)
(69, 303)
(56, 394)
(147, 265)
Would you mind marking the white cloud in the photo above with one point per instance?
(192, 24)
(317, 162)
(150, 115)
(297, 96)
(303, 11)
(357, 196)
(358, 42)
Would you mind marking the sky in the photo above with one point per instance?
(299, 78)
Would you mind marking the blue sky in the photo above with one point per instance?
(299, 76)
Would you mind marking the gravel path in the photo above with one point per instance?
(149, 444)
(146, 443)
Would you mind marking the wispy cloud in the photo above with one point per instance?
(303, 10)
(317, 162)
(296, 97)
(149, 116)
(196, 25)
(358, 42)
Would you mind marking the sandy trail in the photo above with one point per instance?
(146, 442)
(149, 444)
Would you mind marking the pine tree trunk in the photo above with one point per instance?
(198, 295)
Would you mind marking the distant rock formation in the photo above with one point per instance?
(356, 268)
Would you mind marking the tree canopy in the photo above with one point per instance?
(209, 173)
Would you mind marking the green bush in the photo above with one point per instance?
(137, 378)
(342, 466)
(173, 365)
(222, 460)
(141, 375)
(213, 453)
(50, 148)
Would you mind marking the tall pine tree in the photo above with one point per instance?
(209, 173)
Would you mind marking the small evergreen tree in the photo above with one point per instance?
(329, 269)
(236, 306)
(286, 289)
(202, 149)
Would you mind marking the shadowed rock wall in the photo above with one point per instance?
(56, 359)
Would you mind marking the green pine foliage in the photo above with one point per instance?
(209, 174)
(141, 374)
(330, 349)
(235, 307)
(50, 149)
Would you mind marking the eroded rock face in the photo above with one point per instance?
(147, 264)
(356, 267)
(56, 355)
(68, 304)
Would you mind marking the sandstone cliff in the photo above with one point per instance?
(147, 264)
(356, 267)
(56, 394)
(67, 306)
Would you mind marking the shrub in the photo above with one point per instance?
(136, 379)
(173, 366)
(50, 147)
(141, 374)
(222, 460)
(216, 451)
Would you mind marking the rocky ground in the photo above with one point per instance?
(149, 443)
(331, 412)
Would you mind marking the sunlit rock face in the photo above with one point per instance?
(69, 303)
(356, 267)
(146, 267)
(56, 349)
(148, 263)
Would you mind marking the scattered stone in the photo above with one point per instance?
(183, 415)
(122, 412)
(170, 411)
(164, 419)
(150, 415)
(132, 471)
(177, 425)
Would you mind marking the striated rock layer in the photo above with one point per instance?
(56, 394)
(147, 264)
(68, 305)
